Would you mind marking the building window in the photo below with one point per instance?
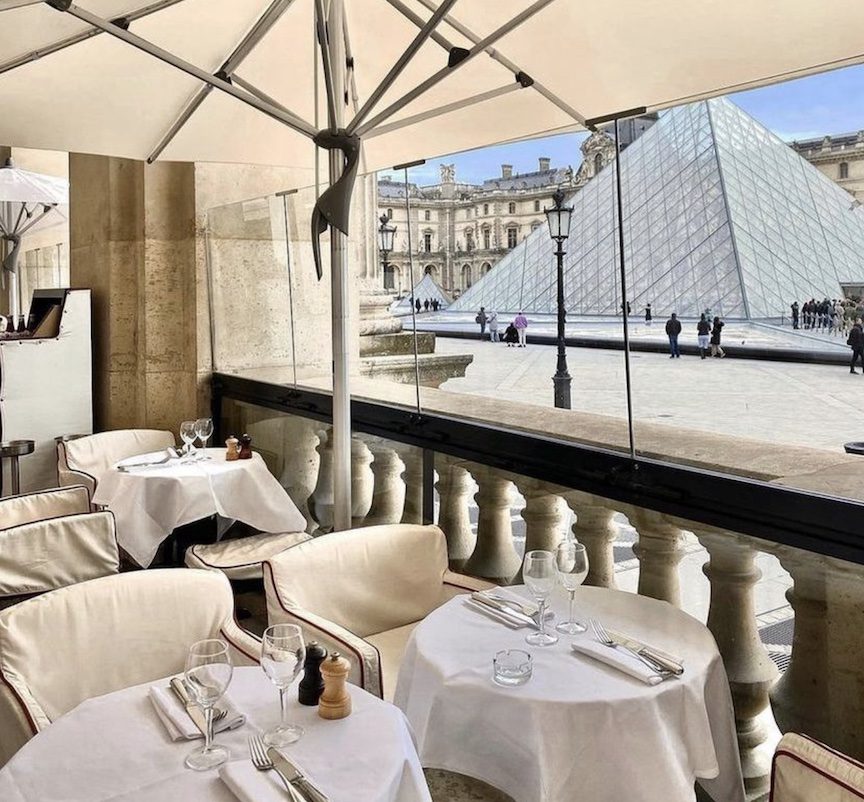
(469, 240)
(485, 208)
(427, 215)
(844, 169)
(466, 276)
(598, 162)
(427, 242)
(468, 213)
(535, 226)
(486, 238)
(511, 237)
(511, 208)
(389, 214)
(485, 268)
(536, 205)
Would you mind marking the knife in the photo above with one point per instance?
(665, 663)
(192, 710)
(504, 607)
(296, 778)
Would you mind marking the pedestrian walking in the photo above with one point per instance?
(481, 319)
(417, 305)
(648, 315)
(856, 343)
(493, 326)
(703, 332)
(521, 324)
(673, 329)
(716, 332)
(795, 314)
(511, 336)
(426, 305)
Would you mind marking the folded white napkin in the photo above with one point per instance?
(250, 785)
(176, 720)
(617, 658)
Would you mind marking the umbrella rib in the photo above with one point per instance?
(420, 22)
(46, 210)
(267, 20)
(189, 69)
(498, 56)
(445, 72)
(401, 63)
(321, 30)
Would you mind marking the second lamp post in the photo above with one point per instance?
(558, 218)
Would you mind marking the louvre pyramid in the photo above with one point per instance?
(718, 213)
(427, 289)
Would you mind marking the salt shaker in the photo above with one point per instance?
(312, 685)
(335, 701)
(232, 445)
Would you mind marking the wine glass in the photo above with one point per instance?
(572, 562)
(203, 430)
(540, 574)
(208, 672)
(282, 656)
(187, 435)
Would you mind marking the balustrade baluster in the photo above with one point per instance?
(388, 498)
(543, 514)
(300, 462)
(494, 556)
(659, 552)
(362, 481)
(413, 509)
(321, 500)
(597, 531)
(454, 487)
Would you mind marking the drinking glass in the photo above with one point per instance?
(187, 435)
(208, 672)
(572, 562)
(203, 430)
(282, 656)
(540, 574)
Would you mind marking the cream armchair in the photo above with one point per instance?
(804, 770)
(362, 592)
(30, 507)
(45, 555)
(83, 461)
(86, 640)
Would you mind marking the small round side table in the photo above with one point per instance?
(11, 450)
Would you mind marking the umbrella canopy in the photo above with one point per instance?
(33, 189)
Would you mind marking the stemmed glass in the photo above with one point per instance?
(282, 656)
(540, 574)
(203, 430)
(208, 672)
(572, 562)
(187, 435)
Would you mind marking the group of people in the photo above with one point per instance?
(515, 333)
(708, 334)
(834, 316)
(434, 305)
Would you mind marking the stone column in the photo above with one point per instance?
(544, 518)
(733, 574)
(494, 557)
(413, 459)
(362, 481)
(388, 499)
(659, 552)
(597, 531)
(299, 462)
(321, 501)
(454, 486)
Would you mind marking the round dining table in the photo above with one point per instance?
(115, 747)
(578, 728)
(150, 501)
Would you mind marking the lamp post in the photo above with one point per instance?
(558, 218)
(386, 235)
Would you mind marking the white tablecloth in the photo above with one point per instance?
(115, 748)
(151, 503)
(578, 729)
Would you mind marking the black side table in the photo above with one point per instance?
(11, 450)
(854, 448)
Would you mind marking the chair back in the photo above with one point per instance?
(85, 459)
(45, 555)
(31, 507)
(367, 580)
(804, 770)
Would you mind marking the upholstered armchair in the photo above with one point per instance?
(82, 461)
(45, 555)
(361, 592)
(804, 770)
(30, 507)
(63, 647)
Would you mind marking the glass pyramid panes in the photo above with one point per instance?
(718, 213)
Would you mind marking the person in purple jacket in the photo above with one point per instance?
(521, 324)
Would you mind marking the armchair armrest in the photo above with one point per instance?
(245, 647)
(465, 583)
(69, 476)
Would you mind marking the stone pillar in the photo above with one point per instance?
(388, 499)
(597, 531)
(494, 556)
(299, 462)
(413, 459)
(733, 574)
(659, 552)
(544, 518)
(132, 241)
(454, 486)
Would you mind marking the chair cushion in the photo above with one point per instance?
(241, 558)
(18, 510)
(804, 770)
(366, 580)
(96, 453)
(391, 647)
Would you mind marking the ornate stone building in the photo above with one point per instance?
(840, 157)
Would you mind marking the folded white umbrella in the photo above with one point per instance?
(394, 81)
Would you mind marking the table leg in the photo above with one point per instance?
(16, 477)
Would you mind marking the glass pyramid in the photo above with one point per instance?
(719, 213)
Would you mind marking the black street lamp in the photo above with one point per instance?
(558, 218)
(386, 235)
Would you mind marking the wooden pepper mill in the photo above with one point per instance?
(335, 702)
(312, 685)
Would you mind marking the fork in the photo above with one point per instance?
(603, 636)
(262, 762)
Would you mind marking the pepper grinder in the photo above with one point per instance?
(245, 447)
(312, 685)
(335, 702)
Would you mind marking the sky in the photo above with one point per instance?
(829, 103)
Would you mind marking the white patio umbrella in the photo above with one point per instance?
(238, 81)
(28, 201)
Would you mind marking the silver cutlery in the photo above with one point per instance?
(663, 660)
(193, 710)
(603, 636)
(504, 608)
(170, 454)
(261, 760)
